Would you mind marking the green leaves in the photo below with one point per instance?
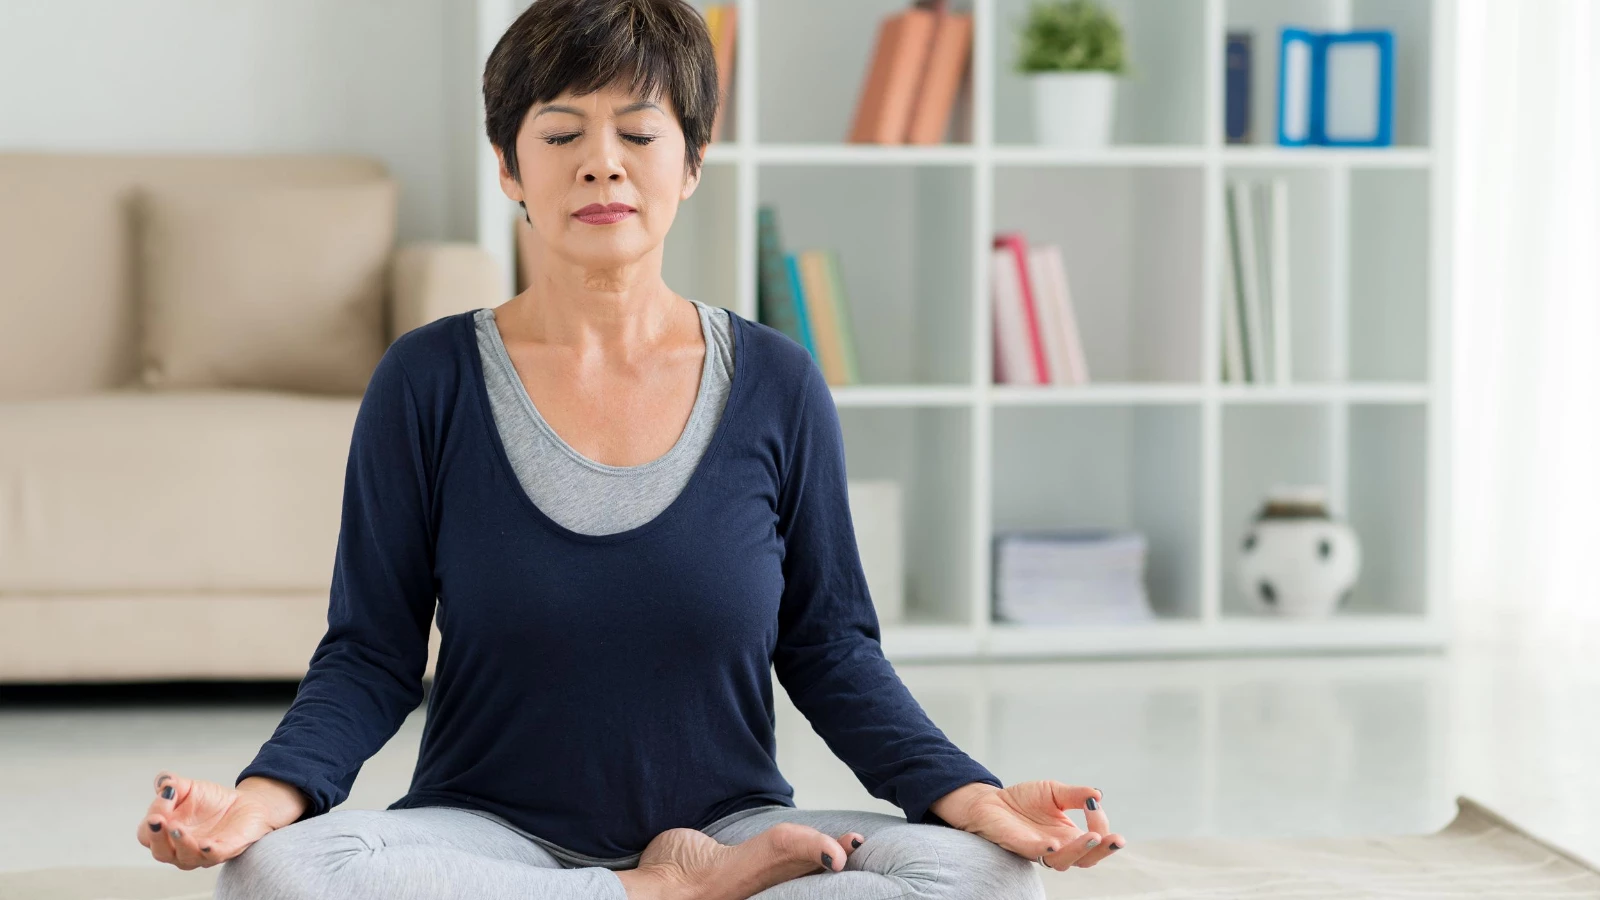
(1072, 36)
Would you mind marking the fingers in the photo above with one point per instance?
(162, 830)
(1109, 844)
(1075, 850)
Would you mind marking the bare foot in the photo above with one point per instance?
(686, 864)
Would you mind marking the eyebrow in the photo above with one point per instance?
(631, 107)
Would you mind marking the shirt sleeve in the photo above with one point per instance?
(829, 656)
(365, 675)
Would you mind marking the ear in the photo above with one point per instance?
(508, 185)
(690, 182)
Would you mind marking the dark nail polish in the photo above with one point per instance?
(1116, 846)
(854, 843)
(1050, 849)
(176, 833)
(167, 792)
(205, 849)
(155, 826)
(827, 860)
(1091, 804)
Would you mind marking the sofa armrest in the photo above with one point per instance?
(432, 279)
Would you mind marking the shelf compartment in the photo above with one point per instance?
(928, 450)
(1121, 467)
(1140, 320)
(1388, 483)
(1388, 276)
(813, 60)
(1410, 20)
(1312, 306)
(1264, 446)
(1161, 102)
(903, 237)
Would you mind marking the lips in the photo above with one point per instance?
(596, 208)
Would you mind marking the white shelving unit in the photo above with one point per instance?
(1158, 442)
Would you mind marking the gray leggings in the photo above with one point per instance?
(444, 853)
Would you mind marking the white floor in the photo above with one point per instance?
(1290, 747)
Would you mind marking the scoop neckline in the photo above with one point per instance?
(529, 408)
(468, 336)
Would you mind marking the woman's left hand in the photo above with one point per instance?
(1030, 817)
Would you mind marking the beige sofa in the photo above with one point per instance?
(173, 533)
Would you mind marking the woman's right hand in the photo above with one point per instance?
(193, 823)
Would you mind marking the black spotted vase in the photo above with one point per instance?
(1295, 560)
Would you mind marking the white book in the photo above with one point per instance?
(1071, 333)
(1249, 278)
(1232, 339)
(1012, 353)
(1278, 191)
(1261, 211)
(1048, 303)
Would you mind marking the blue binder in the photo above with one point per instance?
(1303, 86)
(1382, 133)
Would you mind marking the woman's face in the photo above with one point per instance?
(607, 147)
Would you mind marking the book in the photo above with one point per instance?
(883, 109)
(1241, 243)
(1259, 228)
(1233, 366)
(1068, 364)
(802, 312)
(1018, 245)
(1297, 75)
(823, 316)
(1054, 330)
(722, 20)
(949, 51)
(1237, 81)
(1012, 357)
(842, 317)
(1276, 196)
(775, 302)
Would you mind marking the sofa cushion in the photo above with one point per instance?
(129, 491)
(68, 321)
(264, 286)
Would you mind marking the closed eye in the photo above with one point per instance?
(560, 139)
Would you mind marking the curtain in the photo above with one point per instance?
(1525, 323)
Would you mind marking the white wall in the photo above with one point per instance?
(396, 79)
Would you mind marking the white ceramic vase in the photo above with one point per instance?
(1073, 109)
(1295, 560)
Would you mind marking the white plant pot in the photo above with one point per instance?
(1073, 109)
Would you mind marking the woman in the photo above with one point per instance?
(625, 508)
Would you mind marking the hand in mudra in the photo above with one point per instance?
(1030, 817)
(194, 824)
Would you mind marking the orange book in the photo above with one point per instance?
(824, 317)
(724, 30)
(947, 64)
(871, 97)
(890, 90)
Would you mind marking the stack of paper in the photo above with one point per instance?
(1070, 577)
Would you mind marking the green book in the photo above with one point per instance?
(841, 315)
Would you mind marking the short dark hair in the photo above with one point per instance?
(587, 45)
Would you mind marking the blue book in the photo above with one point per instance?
(1298, 87)
(796, 290)
(1356, 89)
(1239, 76)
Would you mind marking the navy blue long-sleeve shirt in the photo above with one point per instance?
(597, 690)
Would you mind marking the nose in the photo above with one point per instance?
(605, 162)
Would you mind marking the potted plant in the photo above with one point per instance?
(1073, 51)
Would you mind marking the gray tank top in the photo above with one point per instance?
(579, 493)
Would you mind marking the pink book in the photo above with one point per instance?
(1018, 245)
